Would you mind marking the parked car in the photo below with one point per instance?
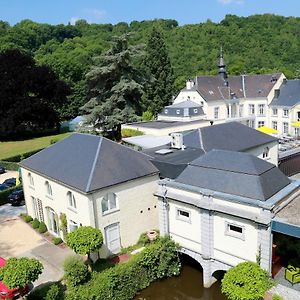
(10, 181)
(7, 293)
(2, 170)
(4, 187)
(16, 197)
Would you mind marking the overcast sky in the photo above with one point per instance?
(114, 11)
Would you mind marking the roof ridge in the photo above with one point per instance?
(201, 141)
(94, 165)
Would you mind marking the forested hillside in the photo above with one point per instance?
(255, 44)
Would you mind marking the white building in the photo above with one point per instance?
(94, 182)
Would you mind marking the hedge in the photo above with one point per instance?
(19, 157)
(124, 281)
(4, 194)
(8, 165)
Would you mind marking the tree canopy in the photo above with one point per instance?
(30, 95)
(115, 88)
(18, 272)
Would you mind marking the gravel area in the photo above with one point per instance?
(285, 292)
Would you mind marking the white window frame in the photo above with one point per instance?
(49, 192)
(31, 181)
(71, 200)
(274, 111)
(251, 109)
(274, 125)
(261, 109)
(109, 203)
(260, 124)
(230, 232)
(285, 113)
(216, 112)
(266, 153)
(178, 111)
(285, 128)
(181, 217)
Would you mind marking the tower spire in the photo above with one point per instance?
(222, 65)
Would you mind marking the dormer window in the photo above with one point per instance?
(195, 110)
(109, 203)
(178, 111)
(166, 111)
(48, 189)
(71, 199)
(30, 178)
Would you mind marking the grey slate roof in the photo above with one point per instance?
(234, 173)
(88, 163)
(289, 94)
(163, 124)
(213, 88)
(184, 104)
(232, 136)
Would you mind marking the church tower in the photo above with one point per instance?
(222, 66)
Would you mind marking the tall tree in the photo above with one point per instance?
(30, 95)
(115, 88)
(160, 90)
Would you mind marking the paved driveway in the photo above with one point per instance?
(18, 239)
(8, 174)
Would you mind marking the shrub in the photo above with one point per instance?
(42, 228)
(19, 157)
(35, 223)
(123, 281)
(48, 291)
(143, 239)
(76, 272)
(28, 219)
(126, 132)
(246, 281)
(276, 297)
(147, 116)
(9, 165)
(57, 240)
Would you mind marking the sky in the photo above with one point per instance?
(114, 11)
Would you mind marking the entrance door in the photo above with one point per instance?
(53, 222)
(112, 234)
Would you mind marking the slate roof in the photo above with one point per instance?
(232, 136)
(213, 88)
(289, 94)
(163, 124)
(234, 173)
(88, 163)
(184, 104)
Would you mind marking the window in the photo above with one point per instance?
(251, 109)
(71, 199)
(216, 112)
(48, 189)
(274, 125)
(241, 110)
(266, 152)
(235, 230)
(183, 215)
(52, 221)
(30, 178)
(285, 128)
(166, 111)
(72, 226)
(178, 111)
(261, 123)
(211, 92)
(261, 109)
(109, 202)
(274, 111)
(250, 123)
(195, 110)
(285, 112)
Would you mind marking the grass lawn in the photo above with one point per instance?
(8, 149)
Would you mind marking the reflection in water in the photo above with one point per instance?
(187, 286)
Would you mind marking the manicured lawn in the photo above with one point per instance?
(8, 149)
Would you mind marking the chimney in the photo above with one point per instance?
(284, 81)
(189, 84)
(177, 141)
(276, 93)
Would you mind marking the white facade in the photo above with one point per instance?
(135, 208)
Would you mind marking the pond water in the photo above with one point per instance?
(187, 286)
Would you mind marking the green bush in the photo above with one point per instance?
(75, 271)
(42, 228)
(35, 223)
(147, 116)
(143, 240)
(57, 240)
(123, 281)
(48, 291)
(126, 132)
(28, 219)
(276, 297)
(246, 281)
(19, 157)
(9, 165)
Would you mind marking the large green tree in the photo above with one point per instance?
(115, 88)
(30, 95)
(161, 88)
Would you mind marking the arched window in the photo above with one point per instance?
(71, 199)
(52, 221)
(30, 178)
(48, 189)
(266, 152)
(109, 202)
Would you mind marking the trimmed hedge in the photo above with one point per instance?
(47, 291)
(42, 228)
(4, 194)
(19, 157)
(8, 165)
(75, 271)
(123, 281)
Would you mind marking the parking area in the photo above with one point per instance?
(18, 239)
(8, 174)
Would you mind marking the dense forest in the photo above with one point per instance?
(255, 44)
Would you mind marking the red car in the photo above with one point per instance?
(5, 292)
